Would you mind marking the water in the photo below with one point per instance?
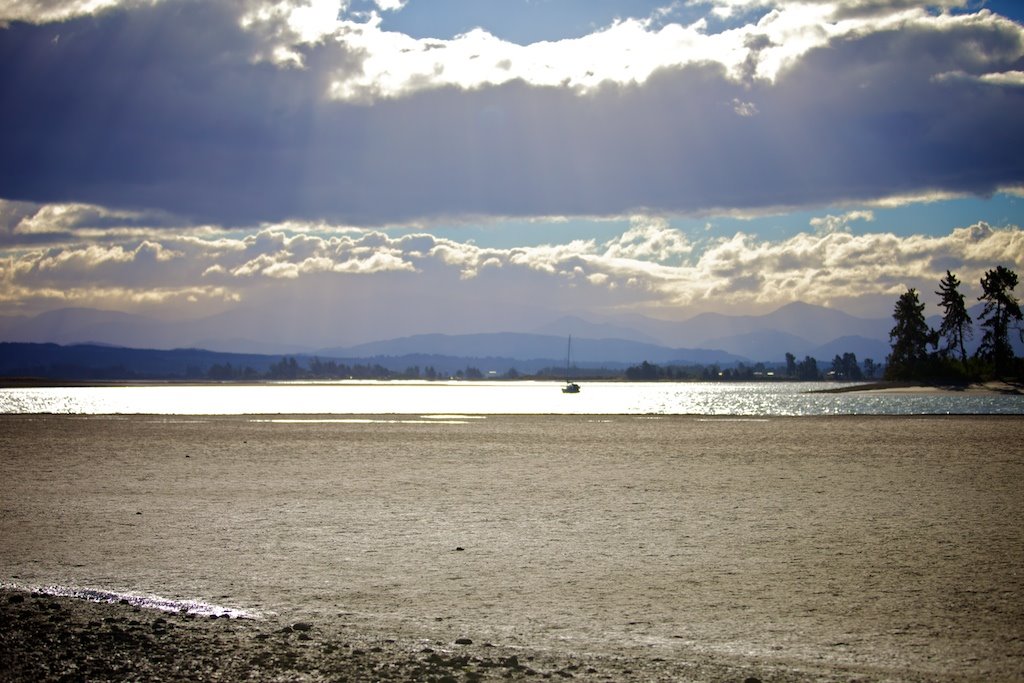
(194, 607)
(494, 398)
(670, 520)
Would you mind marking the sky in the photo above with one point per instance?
(413, 166)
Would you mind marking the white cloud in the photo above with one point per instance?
(53, 218)
(651, 267)
(43, 11)
(1012, 79)
(308, 20)
(21, 219)
(830, 224)
(744, 108)
(817, 268)
(928, 197)
(626, 52)
(275, 254)
(649, 240)
(1006, 78)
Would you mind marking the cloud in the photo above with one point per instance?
(649, 240)
(391, 5)
(926, 197)
(46, 11)
(628, 51)
(1001, 79)
(830, 224)
(181, 108)
(24, 221)
(825, 265)
(743, 108)
(429, 280)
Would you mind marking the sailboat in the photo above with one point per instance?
(570, 386)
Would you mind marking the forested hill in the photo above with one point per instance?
(93, 361)
(109, 362)
(85, 362)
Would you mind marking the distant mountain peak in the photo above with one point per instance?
(580, 327)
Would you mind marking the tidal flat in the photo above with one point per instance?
(508, 546)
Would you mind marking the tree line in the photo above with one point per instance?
(1001, 316)
(844, 367)
(909, 359)
(289, 368)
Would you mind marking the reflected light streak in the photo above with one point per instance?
(454, 402)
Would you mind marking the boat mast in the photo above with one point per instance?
(568, 356)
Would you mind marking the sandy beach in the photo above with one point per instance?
(515, 547)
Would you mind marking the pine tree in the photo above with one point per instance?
(956, 322)
(1001, 306)
(910, 338)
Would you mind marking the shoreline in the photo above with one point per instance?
(971, 388)
(997, 386)
(51, 637)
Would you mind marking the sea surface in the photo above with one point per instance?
(494, 398)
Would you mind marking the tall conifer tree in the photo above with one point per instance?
(956, 322)
(910, 338)
(1001, 307)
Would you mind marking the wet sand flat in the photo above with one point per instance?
(683, 548)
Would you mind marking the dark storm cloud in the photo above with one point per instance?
(165, 108)
(160, 107)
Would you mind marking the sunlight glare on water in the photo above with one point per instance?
(440, 399)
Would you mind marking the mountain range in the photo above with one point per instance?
(797, 328)
(87, 343)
